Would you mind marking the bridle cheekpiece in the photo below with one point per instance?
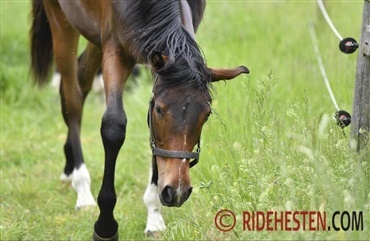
(193, 156)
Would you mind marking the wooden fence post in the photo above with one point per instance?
(360, 128)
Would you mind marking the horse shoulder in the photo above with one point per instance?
(86, 17)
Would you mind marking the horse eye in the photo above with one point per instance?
(158, 110)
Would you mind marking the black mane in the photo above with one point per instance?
(156, 26)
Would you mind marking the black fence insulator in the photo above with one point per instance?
(343, 118)
(348, 45)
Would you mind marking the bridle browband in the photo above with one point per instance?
(169, 153)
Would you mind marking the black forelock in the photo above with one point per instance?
(155, 25)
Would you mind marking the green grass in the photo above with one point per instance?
(270, 145)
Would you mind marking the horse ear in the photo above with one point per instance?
(226, 74)
(157, 60)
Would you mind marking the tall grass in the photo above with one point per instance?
(271, 143)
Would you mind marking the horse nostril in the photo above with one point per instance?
(168, 194)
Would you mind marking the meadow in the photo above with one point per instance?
(271, 143)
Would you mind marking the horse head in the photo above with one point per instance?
(176, 116)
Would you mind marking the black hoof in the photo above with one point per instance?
(95, 237)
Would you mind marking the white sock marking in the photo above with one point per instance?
(155, 220)
(81, 184)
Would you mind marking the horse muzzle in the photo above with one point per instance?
(172, 197)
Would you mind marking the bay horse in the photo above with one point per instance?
(159, 34)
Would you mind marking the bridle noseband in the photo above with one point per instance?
(169, 153)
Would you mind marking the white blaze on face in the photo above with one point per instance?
(183, 164)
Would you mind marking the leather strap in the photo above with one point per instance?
(170, 153)
(177, 154)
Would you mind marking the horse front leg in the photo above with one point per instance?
(65, 42)
(155, 222)
(116, 69)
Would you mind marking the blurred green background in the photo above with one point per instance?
(271, 144)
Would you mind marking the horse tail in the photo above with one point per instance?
(41, 44)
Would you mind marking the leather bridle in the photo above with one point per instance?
(169, 153)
